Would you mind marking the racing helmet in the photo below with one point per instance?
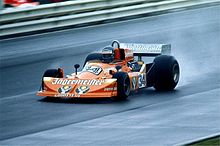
(108, 54)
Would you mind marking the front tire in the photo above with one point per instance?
(55, 73)
(167, 72)
(123, 85)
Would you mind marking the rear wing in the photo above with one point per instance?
(144, 49)
(148, 49)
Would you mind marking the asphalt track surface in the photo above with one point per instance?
(148, 117)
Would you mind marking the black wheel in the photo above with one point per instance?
(123, 85)
(93, 56)
(167, 72)
(51, 73)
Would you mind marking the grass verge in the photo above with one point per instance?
(214, 141)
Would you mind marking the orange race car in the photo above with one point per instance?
(114, 72)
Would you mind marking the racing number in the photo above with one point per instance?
(94, 69)
(142, 80)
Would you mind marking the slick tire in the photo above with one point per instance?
(123, 86)
(51, 73)
(166, 72)
(93, 56)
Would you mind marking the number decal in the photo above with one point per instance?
(142, 80)
(93, 69)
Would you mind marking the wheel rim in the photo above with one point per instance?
(175, 73)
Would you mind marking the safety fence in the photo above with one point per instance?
(70, 13)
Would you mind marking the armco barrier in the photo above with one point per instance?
(63, 8)
(83, 11)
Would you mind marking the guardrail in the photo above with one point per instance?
(71, 13)
(64, 8)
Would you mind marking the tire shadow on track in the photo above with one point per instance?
(147, 93)
(78, 101)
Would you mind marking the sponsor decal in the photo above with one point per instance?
(67, 95)
(110, 89)
(149, 48)
(82, 89)
(63, 82)
(93, 69)
(64, 89)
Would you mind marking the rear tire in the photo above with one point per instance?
(123, 85)
(167, 72)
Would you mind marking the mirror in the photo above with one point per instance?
(76, 66)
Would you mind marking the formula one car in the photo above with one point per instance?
(114, 72)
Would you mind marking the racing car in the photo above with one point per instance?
(114, 72)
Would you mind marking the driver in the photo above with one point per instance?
(108, 54)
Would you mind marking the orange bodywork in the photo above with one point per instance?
(90, 84)
(94, 81)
